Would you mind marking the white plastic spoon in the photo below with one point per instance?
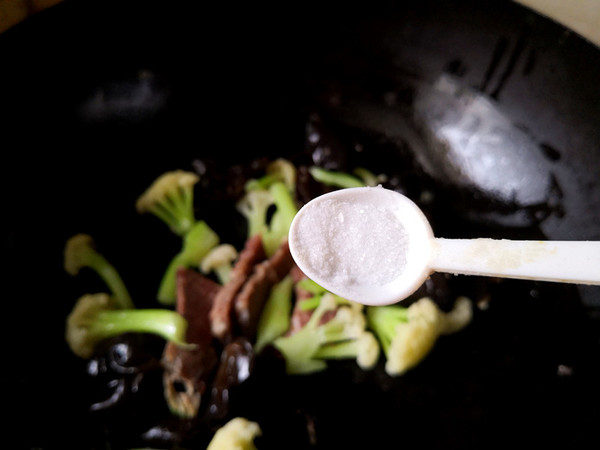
(376, 247)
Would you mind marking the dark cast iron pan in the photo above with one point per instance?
(98, 98)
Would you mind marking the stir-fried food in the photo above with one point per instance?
(220, 307)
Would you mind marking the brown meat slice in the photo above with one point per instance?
(250, 300)
(221, 314)
(187, 371)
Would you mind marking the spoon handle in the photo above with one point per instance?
(561, 261)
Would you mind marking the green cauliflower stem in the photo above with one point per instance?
(95, 317)
(269, 204)
(274, 228)
(368, 177)
(275, 318)
(299, 348)
(80, 251)
(335, 178)
(318, 292)
(285, 211)
(254, 206)
(171, 198)
(307, 350)
(197, 243)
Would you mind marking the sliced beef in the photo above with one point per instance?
(221, 314)
(251, 298)
(188, 371)
(222, 322)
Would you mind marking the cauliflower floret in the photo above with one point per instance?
(415, 338)
(460, 316)
(237, 434)
(407, 335)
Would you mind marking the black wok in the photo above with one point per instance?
(98, 98)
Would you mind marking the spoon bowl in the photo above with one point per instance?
(368, 258)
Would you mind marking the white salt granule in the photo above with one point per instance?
(349, 243)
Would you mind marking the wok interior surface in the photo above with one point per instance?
(101, 97)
